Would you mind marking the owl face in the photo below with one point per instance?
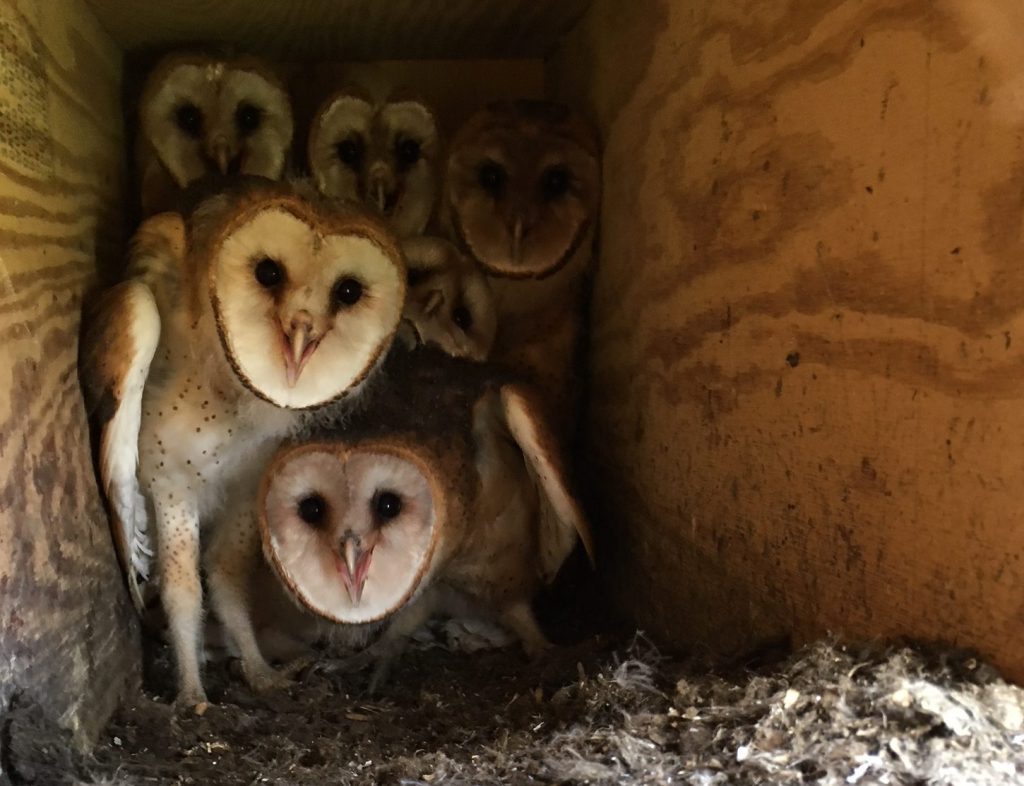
(203, 115)
(449, 302)
(306, 297)
(350, 532)
(384, 155)
(522, 186)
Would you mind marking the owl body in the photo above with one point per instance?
(201, 115)
(491, 506)
(540, 329)
(201, 430)
(522, 193)
(380, 151)
(199, 420)
(235, 318)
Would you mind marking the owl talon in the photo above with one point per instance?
(191, 702)
(519, 618)
(380, 676)
(295, 667)
(264, 679)
(351, 665)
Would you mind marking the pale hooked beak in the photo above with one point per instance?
(380, 188)
(354, 565)
(221, 154)
(299, 346)
(517, 241)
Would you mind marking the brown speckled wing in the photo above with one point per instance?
(117, 349)
(122, 331)
(561, 517)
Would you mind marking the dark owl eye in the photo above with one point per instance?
(408, 152)
(462, 318)
(269, 273)
(555, 182)
(248, 118)
(312, 509)
(189, 119)
(347, 292)
(350, 151)
(387, 505)
(492, 177)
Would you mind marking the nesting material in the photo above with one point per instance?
(589, 714)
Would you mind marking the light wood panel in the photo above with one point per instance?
(337, 30)
(67, 643)
(808, 363)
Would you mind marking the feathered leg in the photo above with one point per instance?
(182, 594)
(233, 557)
(519, 618)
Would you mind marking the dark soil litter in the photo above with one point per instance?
(597, 713)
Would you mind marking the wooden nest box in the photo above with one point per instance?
(806, 394)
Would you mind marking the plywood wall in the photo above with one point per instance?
(808, 361)
(67, 646)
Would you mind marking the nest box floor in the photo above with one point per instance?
(595, 713)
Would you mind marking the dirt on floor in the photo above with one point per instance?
(602, 712)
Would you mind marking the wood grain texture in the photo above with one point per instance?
(808, 335)
(336, 30)
(67, 640)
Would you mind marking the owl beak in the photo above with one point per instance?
(354, 567)
(297, 350)
(433, 302)
(517, 241)
(381, 188)
(222, 154)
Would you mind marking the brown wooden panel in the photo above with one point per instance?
(808, 363)
(67, 641)
(336, 30)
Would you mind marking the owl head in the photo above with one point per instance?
(382, 153)
(449, 302)
(305, 294)
(522, 186)
(350, 530)
(202, 114)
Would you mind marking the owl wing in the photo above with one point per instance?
(118, 345)
(561, 517)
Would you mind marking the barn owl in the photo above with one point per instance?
(446, 494)
(258, 304)
(200, 115)
(383, 153)
(449, 302)
(522, 190)
(259, 620)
